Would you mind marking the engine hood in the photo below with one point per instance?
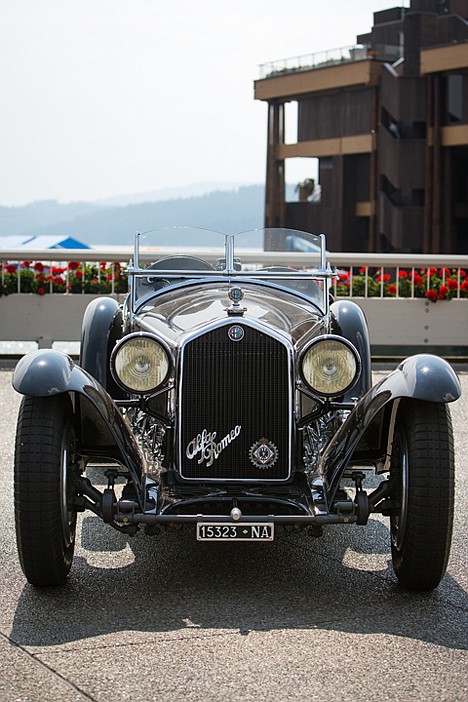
(191, 308)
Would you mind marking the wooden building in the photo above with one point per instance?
(388, 122)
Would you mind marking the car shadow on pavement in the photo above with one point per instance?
(148, 585)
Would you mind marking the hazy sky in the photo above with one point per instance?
(110, 97)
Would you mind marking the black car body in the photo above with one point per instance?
(235, 399)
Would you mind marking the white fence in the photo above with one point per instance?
(400, 321)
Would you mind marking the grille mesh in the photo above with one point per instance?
(228, 384)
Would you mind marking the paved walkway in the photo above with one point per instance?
(171, 620)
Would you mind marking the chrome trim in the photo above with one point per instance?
(398, 521)
(272, 280)
(278, 336)
(323, 252)
(391, 437)
(125, 340)
(345, 342)
(66, 484)
(160, 335)
(136, 248)
(229, 249)
(192, 279)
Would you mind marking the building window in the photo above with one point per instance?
(454, 99)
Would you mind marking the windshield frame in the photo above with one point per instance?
(231, 270)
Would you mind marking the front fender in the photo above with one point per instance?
(49, 372)
(101, 329)
(43, 373)
(349, 320)
(421, 377)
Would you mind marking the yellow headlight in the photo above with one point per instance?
(141, 364)
(330, 366)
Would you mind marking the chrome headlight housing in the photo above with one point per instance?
(140, 363)
(330, 366)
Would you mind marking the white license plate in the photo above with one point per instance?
(245, 531)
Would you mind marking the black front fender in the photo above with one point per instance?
(49, 372)
(349, 320)
(45, 372)
(101, 329)
(421, 377)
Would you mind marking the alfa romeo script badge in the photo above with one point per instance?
(263, 454)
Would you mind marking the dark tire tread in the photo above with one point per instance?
(44, 557)
(421, 561)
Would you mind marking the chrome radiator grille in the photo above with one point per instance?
(235, 407)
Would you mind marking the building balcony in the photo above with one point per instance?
(328, 70)
(330, 58)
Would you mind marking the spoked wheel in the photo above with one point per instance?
(45, 472)
(422, 471)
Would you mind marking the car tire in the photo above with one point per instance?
(44, 484)
(422, 471)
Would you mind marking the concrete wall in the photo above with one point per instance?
(420, 324)
(393, 323)
(43, 319)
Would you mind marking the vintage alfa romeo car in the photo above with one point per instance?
(236, 400)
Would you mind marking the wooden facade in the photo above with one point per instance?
(390, 136)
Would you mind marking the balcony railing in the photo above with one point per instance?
(400, 323)
(65, 272)
(331, 57)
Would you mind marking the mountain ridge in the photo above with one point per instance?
(225, 210)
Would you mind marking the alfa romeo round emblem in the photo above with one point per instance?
(236, 294)
(236, 332)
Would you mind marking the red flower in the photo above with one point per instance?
(443, 292)
(464, 286)
(447, 271)
(392, 289)
(38, 266)
(41, 291)
(73, 265)
(40, 278)
(417, 280)
(58, 280)
(11, 268)
(386, 277)
(343, 276)
(432, 271)
(103, 265)
(362, 270)
(403, 274)
(79, 274)
(26, 264)
(462, 273)
(57, 271)
(452, 284)
(431, 295)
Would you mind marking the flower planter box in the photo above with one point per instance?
(44, 319)
(403, 326)
(397, 326)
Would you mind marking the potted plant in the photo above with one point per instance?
(305, 189)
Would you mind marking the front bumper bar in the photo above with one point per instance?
(299, 519)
